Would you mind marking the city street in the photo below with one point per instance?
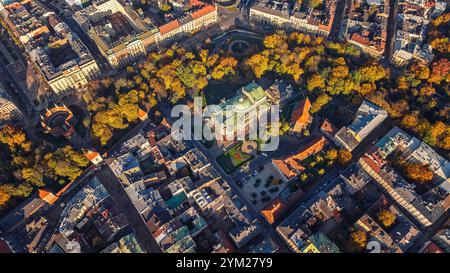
(267, 229)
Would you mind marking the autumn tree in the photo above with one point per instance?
(358, 238)
(331, 154)
(314, 3)
(437, 134)
(66, 162)
(321, 101)
(316, 81)
(427, 91)
(34, 176)
(4, 198)
(440, 71)
(372, 73)
(15, 138)
(260, 63)
(300, 38)
(410, 120)
(418, 172)
(22, 190)
(441, 45)
(386, 217)
(441, 20)
(166, 7)
(226, 66)
(275, 40)
(344, 157)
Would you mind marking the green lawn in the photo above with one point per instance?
(231, 160)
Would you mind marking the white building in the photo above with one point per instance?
(284, 14)
(368, 117)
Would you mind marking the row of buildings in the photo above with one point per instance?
(298, 15)
(123, 34)
(156, 189)
(365, 24)
(424, 205)
(353, 201)
(183, 201)
(320, 224)
(62, 59)
(180, 202)
(369, 23)
(413, 18)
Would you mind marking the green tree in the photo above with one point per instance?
(33, 176)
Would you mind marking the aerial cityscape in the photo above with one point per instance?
(225, 126)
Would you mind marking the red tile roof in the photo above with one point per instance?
(164, 29)
(284, 168)
(290, 166)
(372, 164)
(360, 40)
(203, 11)
(431, 247)
(328, 128)
(194, 3)
(90, 154)
(273, 210)
(300, 116)
(311, 148)
(142, 114)
(47, 196)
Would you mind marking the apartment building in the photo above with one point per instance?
(123, 34)
(366, 26)
(298, 15)
(424, 207)
(368, 117)
(57, 52)
(411, 25)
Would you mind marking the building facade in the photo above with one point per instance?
(57, 52)
(123, 35)
(296, 16)
(9, 112)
